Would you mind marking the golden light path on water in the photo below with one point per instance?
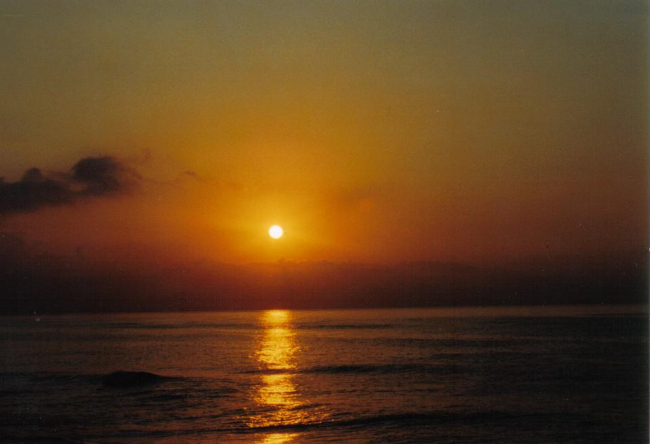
(277, 395)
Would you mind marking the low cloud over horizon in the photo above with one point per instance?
(36, 280)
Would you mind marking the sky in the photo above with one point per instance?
(169, 133)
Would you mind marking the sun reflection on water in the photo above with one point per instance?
(278, 347)
(277, 396)
(278, 438)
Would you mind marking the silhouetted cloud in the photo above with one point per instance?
(104, 175)
(90, 177)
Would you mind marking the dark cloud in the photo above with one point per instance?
(104, 175)
(91, 176)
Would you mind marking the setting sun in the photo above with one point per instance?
(276, 231)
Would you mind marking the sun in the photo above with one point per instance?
(276, 231)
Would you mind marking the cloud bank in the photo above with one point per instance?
(32, 280)
(102, 176)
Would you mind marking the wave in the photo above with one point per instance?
(114, 379)
(363, 369)
(179, 326)
(125, 379)
(11, 378)
(343, 326)
(393, 421)
(410, 419)
(457, 343)
(369, 368)
(9, 439)
(402, 418)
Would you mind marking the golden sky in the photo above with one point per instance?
(371, 131)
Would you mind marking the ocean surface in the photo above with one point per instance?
(464, 375)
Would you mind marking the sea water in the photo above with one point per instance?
(451, 375)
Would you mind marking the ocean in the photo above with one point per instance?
(444, 375)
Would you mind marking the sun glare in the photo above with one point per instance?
(276, 231)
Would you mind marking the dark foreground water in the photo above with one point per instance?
(507, 375)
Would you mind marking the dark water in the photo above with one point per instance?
(508, 375)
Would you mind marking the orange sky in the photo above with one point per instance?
(371, 131)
